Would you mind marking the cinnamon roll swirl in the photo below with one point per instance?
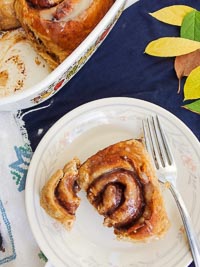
(59, 195)
(8, 19)
(122, 186)
(57, 27)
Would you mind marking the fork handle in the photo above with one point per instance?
(191, 235)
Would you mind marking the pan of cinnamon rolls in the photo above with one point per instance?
(63, 33)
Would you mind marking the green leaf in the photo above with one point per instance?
(194, 106)
(190, 28)
(192, 85)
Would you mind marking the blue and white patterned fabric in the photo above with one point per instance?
(17, 245)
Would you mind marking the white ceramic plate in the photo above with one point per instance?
(81, 133)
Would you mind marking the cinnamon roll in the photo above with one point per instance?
(59, 195)
(57, 27)
(8, 19)
(122, 186)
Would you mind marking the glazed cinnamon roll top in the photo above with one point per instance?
(121, 184)
(57, 27)
(43, 3)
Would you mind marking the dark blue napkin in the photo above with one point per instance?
(120, 68)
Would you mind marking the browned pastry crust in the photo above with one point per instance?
(121, 184)
(57, 27)
(8, 18)
(58, 196)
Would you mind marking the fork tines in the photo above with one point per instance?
(156, 142)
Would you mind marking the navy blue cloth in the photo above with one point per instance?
(121, 68)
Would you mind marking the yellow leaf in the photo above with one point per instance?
(171, 47)
(192, 85)
(173, 14)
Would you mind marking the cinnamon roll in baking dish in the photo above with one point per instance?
(57, 27)
(8, 18)
(121, 184)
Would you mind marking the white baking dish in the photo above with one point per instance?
(70, 66)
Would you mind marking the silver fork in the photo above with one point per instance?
(159, 150)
